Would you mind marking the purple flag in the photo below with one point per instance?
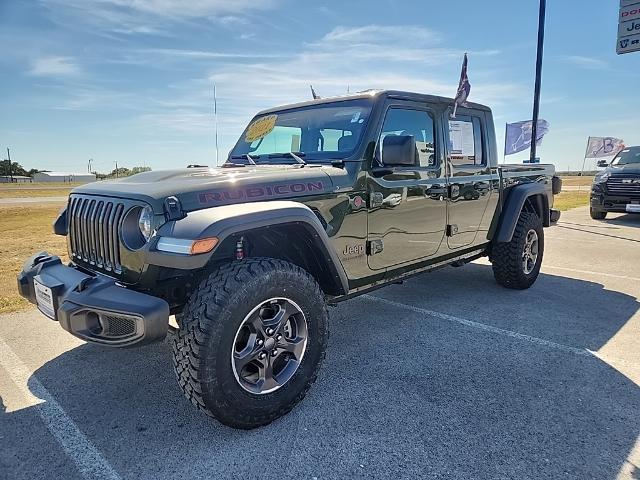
(518, 136)
(464, 87)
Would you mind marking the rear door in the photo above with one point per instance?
(407, 207)
(468, 175)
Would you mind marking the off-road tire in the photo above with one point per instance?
(597, 214)
(506, 257)
(202, 347)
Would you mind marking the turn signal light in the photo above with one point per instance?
(204, 245)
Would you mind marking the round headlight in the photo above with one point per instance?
(145, 221)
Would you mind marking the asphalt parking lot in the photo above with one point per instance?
(445, 376)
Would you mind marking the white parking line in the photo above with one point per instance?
(90, 463)
(482, 326)
(589, 272)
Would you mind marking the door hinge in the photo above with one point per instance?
(452, 230)
(374, 247)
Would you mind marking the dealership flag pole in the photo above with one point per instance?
(536, 94)
(584, 160)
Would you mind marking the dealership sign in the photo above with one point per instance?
(629, 27)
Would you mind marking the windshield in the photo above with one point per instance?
(329, 131)
(627, 156)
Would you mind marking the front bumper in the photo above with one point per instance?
(604, 202)
(92, 307)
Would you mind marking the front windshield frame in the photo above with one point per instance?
(364, 106)
(634, 153)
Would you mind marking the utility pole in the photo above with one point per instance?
(536, 93)
(116, 169)
(10, 165)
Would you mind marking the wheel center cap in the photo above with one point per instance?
(269, 343)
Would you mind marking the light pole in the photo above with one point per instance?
(536, 93)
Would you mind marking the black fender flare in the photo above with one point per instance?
(513, 205)
(227, 220)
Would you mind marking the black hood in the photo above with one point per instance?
(198, 188)
(630, 168)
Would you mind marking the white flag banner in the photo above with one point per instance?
(598, 147)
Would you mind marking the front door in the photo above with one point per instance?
(469, 176)
(407, 204)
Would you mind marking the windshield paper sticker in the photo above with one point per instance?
(461, 138)
(260, 128)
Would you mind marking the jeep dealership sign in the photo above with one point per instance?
(629, 27)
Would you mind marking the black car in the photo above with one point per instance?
(617, 188)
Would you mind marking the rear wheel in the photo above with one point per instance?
(516, 264)
(251, 341)
(597, 214)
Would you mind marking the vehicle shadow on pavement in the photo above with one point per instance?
(626, 220)
(402, 394)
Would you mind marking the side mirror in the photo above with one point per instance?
(603, 163)
(399, 150)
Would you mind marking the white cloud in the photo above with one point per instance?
(388, 60)
(55, 66)
(150, 17)
(190, 8)
(381, 34)
(587, 62)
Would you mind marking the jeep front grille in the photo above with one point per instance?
(93, 231)
(628, 186)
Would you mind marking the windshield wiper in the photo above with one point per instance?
(296, 156)
(246, 156)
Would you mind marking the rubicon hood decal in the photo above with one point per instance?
(260, 192)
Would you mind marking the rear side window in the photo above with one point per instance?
(466, 144)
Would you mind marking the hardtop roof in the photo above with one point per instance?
(376, 94)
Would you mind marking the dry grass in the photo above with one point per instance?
(568, 200)
(26, 193)
(577, 181)
(24, 231)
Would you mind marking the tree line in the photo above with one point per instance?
(17, 170)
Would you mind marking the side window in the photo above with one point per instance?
(466, 145)
(419, 124)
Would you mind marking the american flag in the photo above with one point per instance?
(464, 87)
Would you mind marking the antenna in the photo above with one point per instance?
(215, 117)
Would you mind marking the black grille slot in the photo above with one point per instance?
(628, 186)
(118, 326)
(93, 231)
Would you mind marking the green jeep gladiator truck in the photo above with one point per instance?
(317, 202)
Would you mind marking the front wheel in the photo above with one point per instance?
(251, 341)
(516, 264)
(597, 214)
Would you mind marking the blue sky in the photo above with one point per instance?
(131, 80)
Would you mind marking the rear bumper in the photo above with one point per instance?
(93, 307)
